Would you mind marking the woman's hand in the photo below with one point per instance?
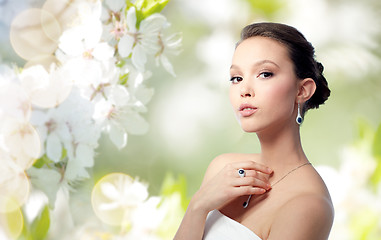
(227, 185)
(221, 185)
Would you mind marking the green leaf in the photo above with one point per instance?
(364, 225)
(376, 176)
(39, 163)
(140, 4)
(41, 224)
(375, 179)
(121, 63)
(123, 79)
(171, 185)
(365, 130)
(12, 222)
(267, 7)
(376, 146)
(154, 7)
(139, 17)
(145, 8)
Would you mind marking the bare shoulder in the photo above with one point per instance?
(235, 157)
(222, 160)
(308, 216)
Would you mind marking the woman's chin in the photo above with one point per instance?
(249, 129)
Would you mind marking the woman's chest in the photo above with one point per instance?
(260, 213)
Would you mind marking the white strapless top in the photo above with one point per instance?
(221, 227)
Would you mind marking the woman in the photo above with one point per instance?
(276, 194)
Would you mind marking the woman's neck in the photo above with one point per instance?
(282, 147)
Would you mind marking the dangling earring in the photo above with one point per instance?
(299, 118)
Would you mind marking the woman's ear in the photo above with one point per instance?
(306, 88)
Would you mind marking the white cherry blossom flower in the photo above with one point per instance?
(70, 126)
(49, 181)
(142, 41)
(21, 141)
(84, 39)
(143, 229)
(46, 89)
(89, 89)
(14, 184)
(168, 45)
(115, 5)
(352, 176)
(93, 78)
(120, 119)
(83, 42)
(14, 100)
(140, 94)
(116, 196)
(111, 14)
(120, 112)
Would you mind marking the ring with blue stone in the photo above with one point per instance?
(241, 172)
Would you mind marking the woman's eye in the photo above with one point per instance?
(266, 74)
(236, 79)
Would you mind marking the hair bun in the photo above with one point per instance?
(322, 91)
(320, 67)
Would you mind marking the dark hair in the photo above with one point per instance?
(301, 52)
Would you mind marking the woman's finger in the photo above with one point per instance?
(248, 190)
(251, 165)
(253, 173)
(250, 181)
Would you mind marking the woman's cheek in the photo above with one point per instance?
(278, 99)
(281, 91)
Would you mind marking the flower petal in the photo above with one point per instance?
(119, 95)
(131, 19)
(103, 51)
(47, 180)
(109, 191)
(167, 65)
(118, 136)
(137, 192)
(75, 171)
(153, 24)
(139, 57)
(125, 45)
(144, 94)
(85, 155)
(134, 123)
(70, 41)
(53, 147)
(115, 5)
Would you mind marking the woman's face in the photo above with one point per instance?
(263, 85)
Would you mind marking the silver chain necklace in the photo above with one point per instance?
(245, 204)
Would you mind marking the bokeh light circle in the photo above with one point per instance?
(104, 202)
(65, 11)
(14, 103)
(34, 32)
(14, 189)
(11, 224)
(44, 60)
(22, 142)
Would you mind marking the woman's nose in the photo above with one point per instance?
(246, 90)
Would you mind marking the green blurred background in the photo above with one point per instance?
(190, 117)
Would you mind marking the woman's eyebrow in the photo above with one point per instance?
(265, 61)
(234, 67)
(258, 63)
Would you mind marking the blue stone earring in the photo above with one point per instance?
(299, 118)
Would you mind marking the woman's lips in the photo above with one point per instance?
(246, 110)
